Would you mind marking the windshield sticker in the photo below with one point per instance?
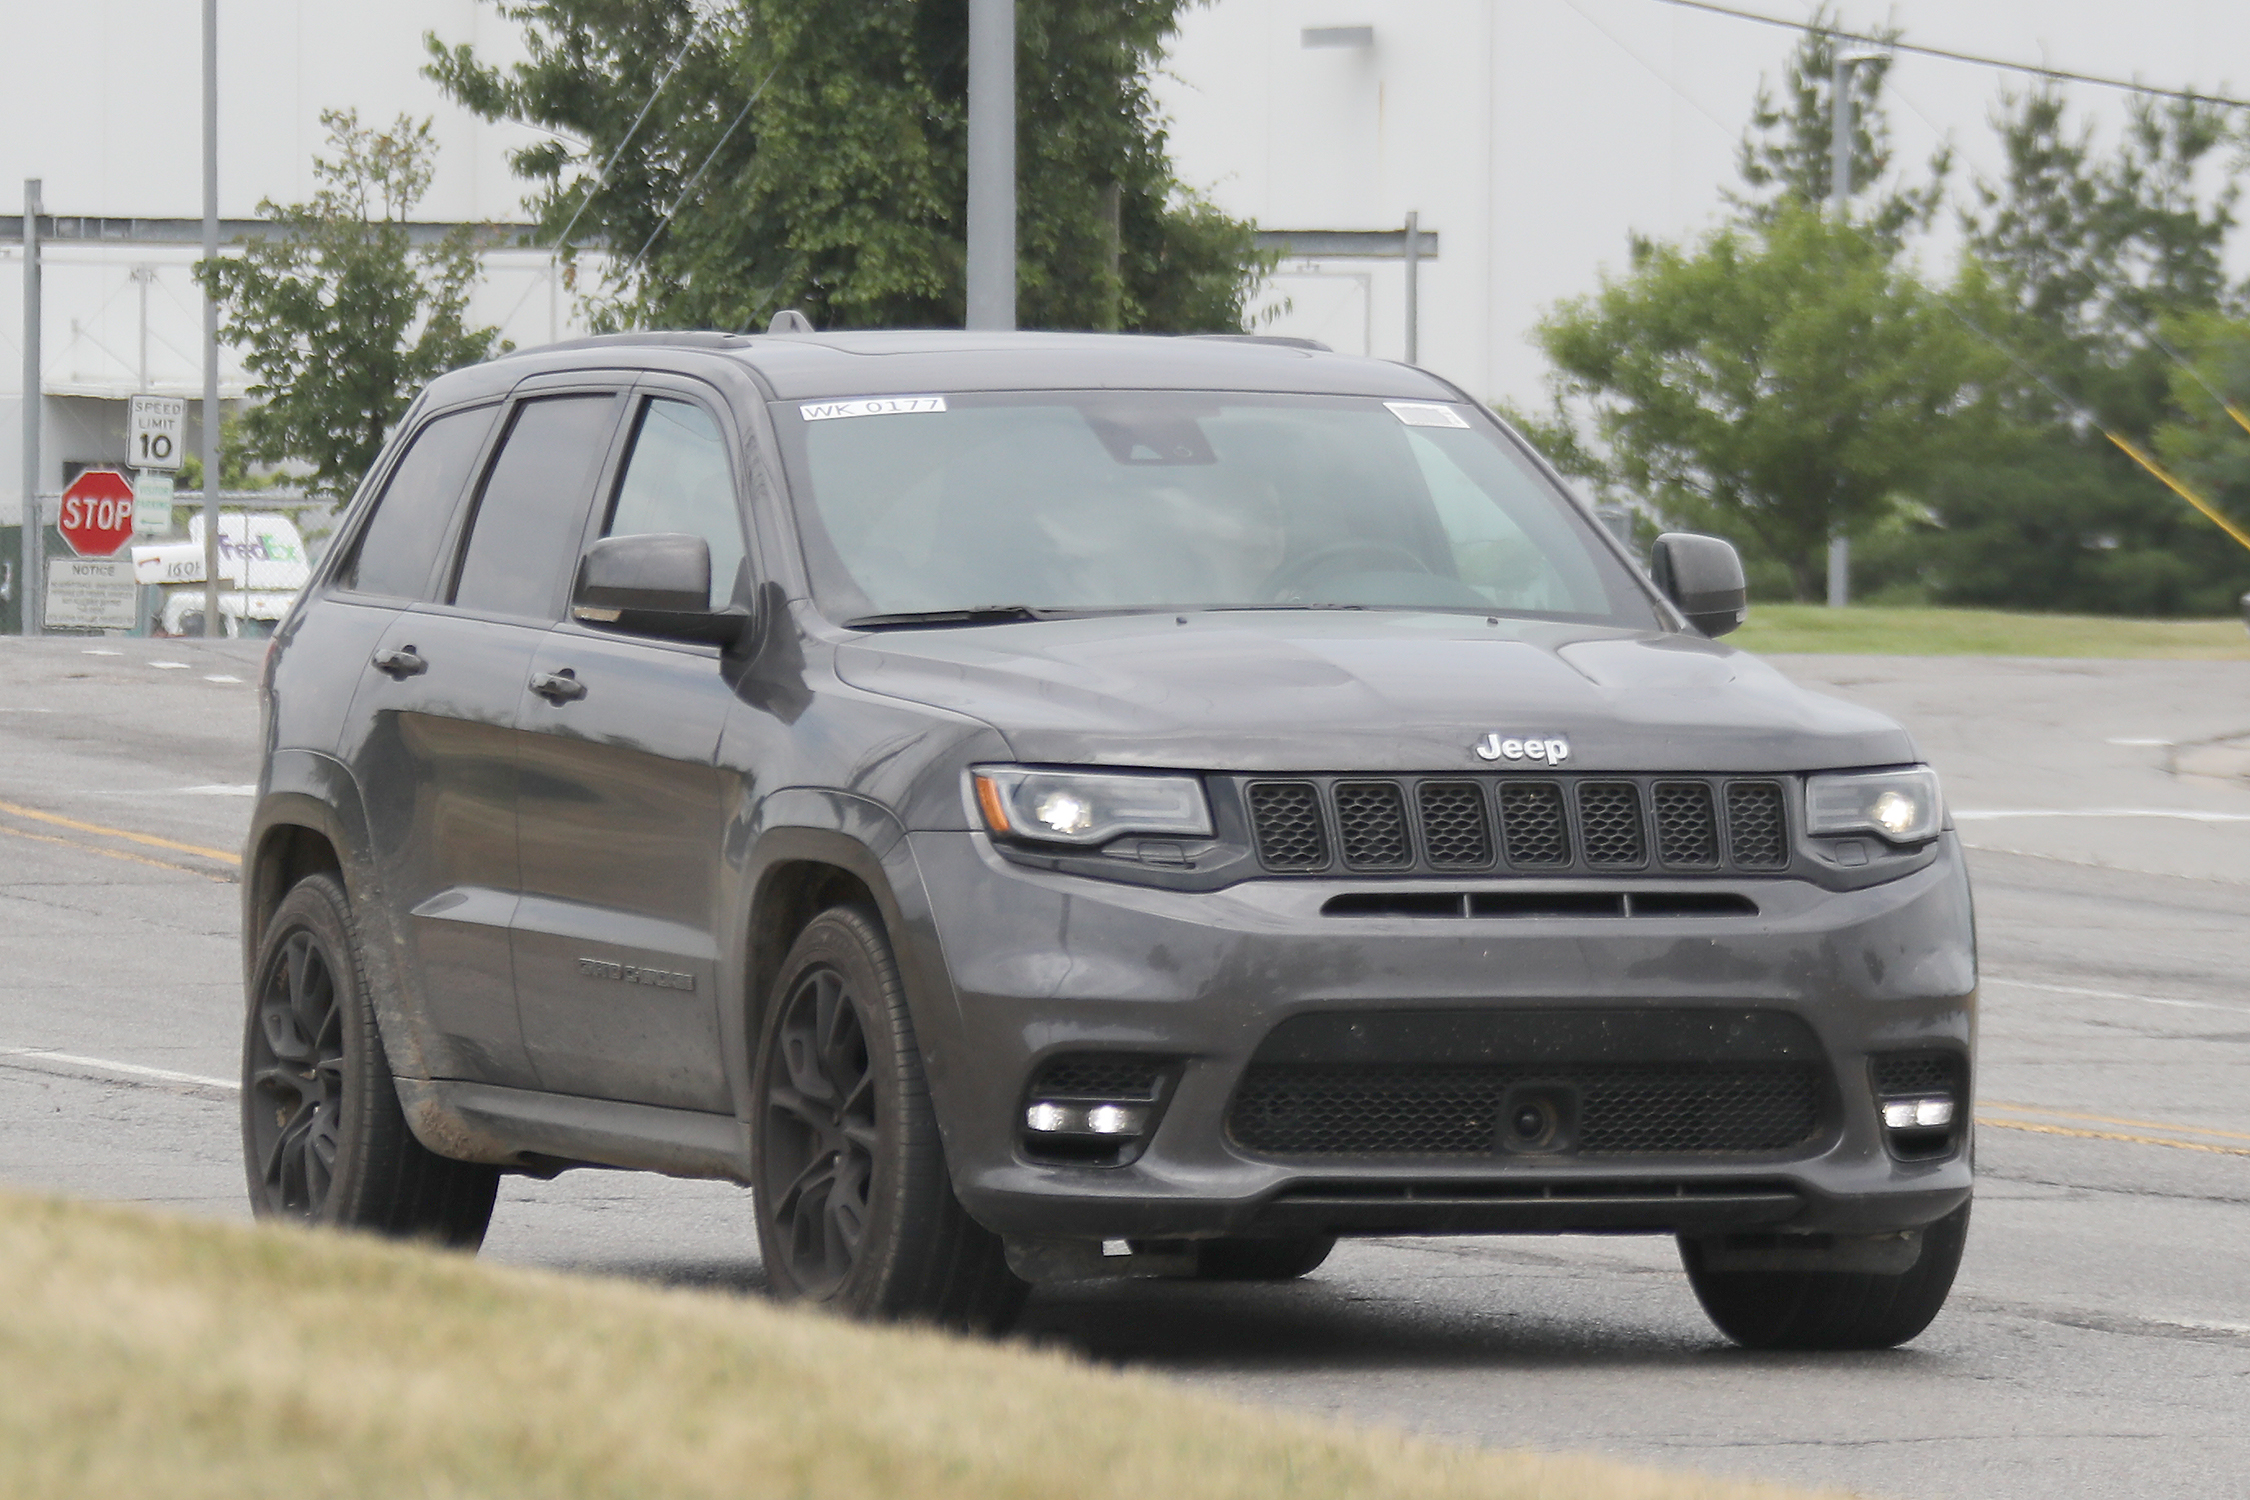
(885, 406)
(1426, 414)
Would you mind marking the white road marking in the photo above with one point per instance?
(2185, 814)
(218, 790)
(6, 708)
(2072, 989)
(98, 651)
(220, 677)
(2159, 744)
(169, 666)
(128, 1070)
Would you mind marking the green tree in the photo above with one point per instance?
(1786, 157)
(2090, 257)
(810, 154)
(1777, 382)
(343, 317)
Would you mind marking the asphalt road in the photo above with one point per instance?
(2098, 1343)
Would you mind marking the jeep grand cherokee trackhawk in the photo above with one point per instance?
(1036, 807)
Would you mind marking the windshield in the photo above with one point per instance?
(1097, 501)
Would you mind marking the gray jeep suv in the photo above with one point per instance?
(1037, 807)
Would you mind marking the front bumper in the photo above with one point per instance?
(1024, 965)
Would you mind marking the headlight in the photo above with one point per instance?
(1088, 807)
(1902, 806)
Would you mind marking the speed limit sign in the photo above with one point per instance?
(156, 432)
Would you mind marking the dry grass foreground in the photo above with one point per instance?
(1812, 628)
(149, 1356)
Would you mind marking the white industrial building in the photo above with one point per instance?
(1530, 136)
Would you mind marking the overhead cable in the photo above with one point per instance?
(2061, 75)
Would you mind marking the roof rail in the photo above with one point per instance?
(1264, 338)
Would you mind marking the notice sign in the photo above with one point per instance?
(90, 593)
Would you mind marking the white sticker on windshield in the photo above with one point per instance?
(875, 406)
(1426, 414)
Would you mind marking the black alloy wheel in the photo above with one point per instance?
(324, 1140)
(296, 1100)
(854, 1205)
(820, 1132)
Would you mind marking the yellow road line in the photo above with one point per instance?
(150, 839)
(2066, 1114)
(138, 859)
(2109, 1135)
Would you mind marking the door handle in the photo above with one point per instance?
(401, 663)
(559, 687)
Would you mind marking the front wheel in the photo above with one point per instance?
(1832, 1309)
(854, 1206)
(323, 1138)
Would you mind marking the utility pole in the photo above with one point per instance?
(1843, 134)
(31, 570)
(992, 164)
(1414, 288)
(211, 623)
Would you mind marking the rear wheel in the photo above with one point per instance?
(324, 1140)
(1832, 1309)
(1280, 1259)
(854, 1206)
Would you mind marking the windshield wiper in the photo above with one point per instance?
(985, 614)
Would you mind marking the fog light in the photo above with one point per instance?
(1918, 1114)
(1111, 1119)
(1047, 1118)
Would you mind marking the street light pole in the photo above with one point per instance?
(211, 623)
(32, 565)
(1842, 136)
(1414, 288)
(992, 164)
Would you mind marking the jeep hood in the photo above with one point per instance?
(1352, 690)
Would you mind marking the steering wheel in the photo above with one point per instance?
(1320, 560)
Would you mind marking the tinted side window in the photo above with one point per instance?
(678, 480)
(397, 554)
(533, 509)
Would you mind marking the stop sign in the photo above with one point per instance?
(97, 512)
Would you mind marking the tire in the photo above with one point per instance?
(854, 1206)
(1832, 1309)
(323, 1138)
(1281, 1259)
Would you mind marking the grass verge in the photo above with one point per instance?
(1812, 628)
(142, 1355)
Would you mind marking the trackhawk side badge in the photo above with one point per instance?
(1553, 749)
(655, 979)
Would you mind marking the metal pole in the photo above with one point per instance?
(1841, 132)
(992, 164)
(32, 569)
(1414, 288)
(211, 623)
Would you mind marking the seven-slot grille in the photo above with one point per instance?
(1524, 824)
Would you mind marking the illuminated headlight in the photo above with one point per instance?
(1902, 806)
(1089, 807)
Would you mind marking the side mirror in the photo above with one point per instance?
(658, 583)
(1703, 576)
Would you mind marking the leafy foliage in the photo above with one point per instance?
(2091, 257)
(811, 154)
(343, 317)
(1787, 156)
(1784, 379)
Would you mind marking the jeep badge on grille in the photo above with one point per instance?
(1554, 750)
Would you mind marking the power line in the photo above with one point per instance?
(681, 201)
(601, 178)
(2062, 75)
